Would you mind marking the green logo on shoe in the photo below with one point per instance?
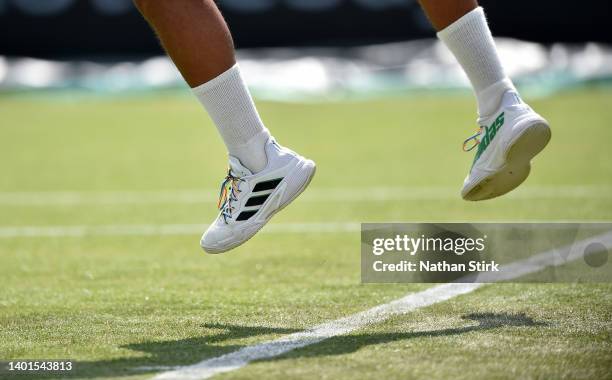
(489, 135)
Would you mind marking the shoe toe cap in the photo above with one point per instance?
(216, 239)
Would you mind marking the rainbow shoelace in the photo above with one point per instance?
(228, 194)
(472, 142)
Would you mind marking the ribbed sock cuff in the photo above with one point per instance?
(230, 105)
(470, 40)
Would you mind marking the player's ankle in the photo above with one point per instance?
(491, 97)
(252, 154)
(230, 105)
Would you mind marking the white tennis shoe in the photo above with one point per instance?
(248, 201)
(514, 136)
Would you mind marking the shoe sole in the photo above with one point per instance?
(518, 164)
(310, 175)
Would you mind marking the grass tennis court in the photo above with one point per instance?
(100, 202)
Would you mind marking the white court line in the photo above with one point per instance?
(238, 359)
(353, 194)
(163, 229)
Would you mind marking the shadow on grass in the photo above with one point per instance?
(346, 344)
(161, 354)
(187, 351)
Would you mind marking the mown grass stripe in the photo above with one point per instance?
(316, 194)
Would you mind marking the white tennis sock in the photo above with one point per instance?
(229, 104)
(471, 42)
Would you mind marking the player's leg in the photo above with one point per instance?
(512, 133)
(198, 40)
(201, 50)
(264, 177)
